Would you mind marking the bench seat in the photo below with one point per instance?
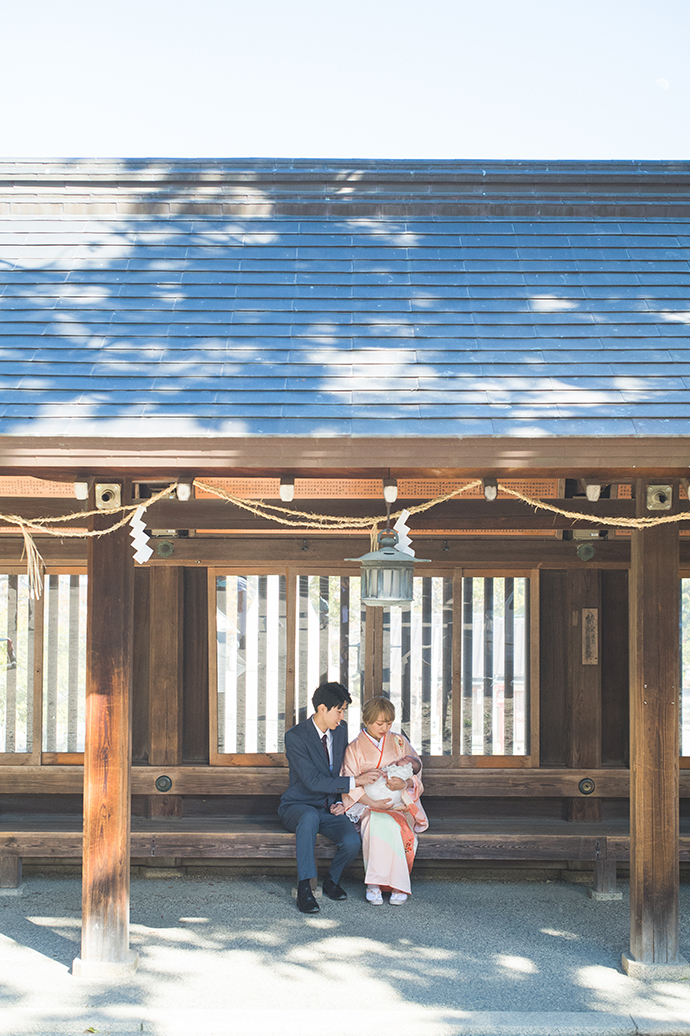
(263, 837)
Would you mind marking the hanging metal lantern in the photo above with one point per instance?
(387, 574)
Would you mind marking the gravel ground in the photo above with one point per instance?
(232, 954)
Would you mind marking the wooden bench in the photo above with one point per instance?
(262, 837)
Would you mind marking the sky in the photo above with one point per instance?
(449, 79)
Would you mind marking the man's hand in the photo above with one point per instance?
(369, 777)
(337, 809)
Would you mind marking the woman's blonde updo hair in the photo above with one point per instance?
(377, 707)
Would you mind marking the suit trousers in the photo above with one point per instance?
(308, 821)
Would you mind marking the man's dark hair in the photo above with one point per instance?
(332, 695)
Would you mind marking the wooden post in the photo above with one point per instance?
(584, 685)
(10, 873)
(654, 748)
(605, 881)
(165, 680)
(105, 951)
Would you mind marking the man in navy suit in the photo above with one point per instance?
(312, 804)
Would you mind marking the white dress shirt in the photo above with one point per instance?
(329, 744)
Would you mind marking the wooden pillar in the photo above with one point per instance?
(584, 683)
(105, 951)
(165, 680)
(654, 748)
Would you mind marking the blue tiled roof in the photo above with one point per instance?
(259, 323)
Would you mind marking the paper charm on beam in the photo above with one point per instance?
(140, 541)
(403, 531)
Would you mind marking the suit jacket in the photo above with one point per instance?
(311, 780)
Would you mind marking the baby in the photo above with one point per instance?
(380, 790)
(403, 769)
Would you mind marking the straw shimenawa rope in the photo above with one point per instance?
(619, 523)
(323, 521)
(35, 565)
(297, 519)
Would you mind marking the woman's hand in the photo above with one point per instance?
(377, 805)
(395, 784)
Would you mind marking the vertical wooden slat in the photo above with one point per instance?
(373, 652)
(243, 596)
(107, 769)
(324, 616)
(488, 666)
(457, 663)
(344, 613)
(290, 648)
(426, 666)
(213, 666)
(387, 660)
(282, 661)
(467, 667)
(220, 599)
(34, 662)
(615, 677)
(262, 675)
(140, 666)
(533, 673)
(406, 672)
(584, 687)
(165, 680)
(509, 663)
(553, 667)
(303, 647)
(654, 735)
(50, 670)
(10, 585)
(73, 690)
(447, 666)
(195, 678)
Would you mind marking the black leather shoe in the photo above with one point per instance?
(306, 902)
(332, 890)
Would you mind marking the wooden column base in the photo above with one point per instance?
(678, 971)
(105, 970)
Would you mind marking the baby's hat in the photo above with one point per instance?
(404, 772)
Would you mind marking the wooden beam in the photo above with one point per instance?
(550, 456)
(460, 513)
(271, 779)
(654, 744)
(522, 552)
(107, 755)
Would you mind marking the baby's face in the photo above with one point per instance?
(411, 759)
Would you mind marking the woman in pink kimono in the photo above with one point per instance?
(389, 831)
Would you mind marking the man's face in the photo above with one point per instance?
(332, 717)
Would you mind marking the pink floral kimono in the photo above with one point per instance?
(389, 839)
